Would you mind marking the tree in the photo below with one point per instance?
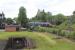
(40, 16)
(73, 12)
(43, 16)
(49, 17)
(2, 20)
(22, 17)
(15, 19)
(71, 19)
(9, 21)
(59, 18)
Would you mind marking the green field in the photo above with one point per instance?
(44, 41)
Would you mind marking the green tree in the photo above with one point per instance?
(40, 16)
(2, 20)
(43, 16)
(59, 18)
(49, 17)
(71, 19)
(22, 17)
(9, 21)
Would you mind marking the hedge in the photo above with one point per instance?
(64, 33)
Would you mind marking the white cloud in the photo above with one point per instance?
(11, 7)
(67, 7)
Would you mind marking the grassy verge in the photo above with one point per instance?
(44, 41)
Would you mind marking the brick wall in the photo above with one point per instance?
(10, 29)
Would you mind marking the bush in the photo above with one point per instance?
(73, 35)
(64, 33)
(46, 29)
(40, 29)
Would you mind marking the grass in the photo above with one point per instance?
(63, 25)
(44, 41)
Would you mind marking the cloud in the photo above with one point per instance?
(11, 7)
(67, 7)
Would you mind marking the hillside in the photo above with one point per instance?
(44, 41)
(65, 25)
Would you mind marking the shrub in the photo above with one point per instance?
(73, 35)
(64, 33)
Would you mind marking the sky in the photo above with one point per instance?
(11, 7)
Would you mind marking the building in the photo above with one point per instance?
(12, 28)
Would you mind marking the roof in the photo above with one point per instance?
(12, 25)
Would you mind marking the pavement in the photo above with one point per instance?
(2, 30)
(2, 44)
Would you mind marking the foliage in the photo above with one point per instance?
(69, 23)
(16, 20)
(22, 17)
(59, 18)
(9, 21)
(42, 16)
(59, 32)
(2, 20)
(63, 26)
(45, 29)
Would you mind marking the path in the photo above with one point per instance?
(2, 44)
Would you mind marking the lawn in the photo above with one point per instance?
(44, 41)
